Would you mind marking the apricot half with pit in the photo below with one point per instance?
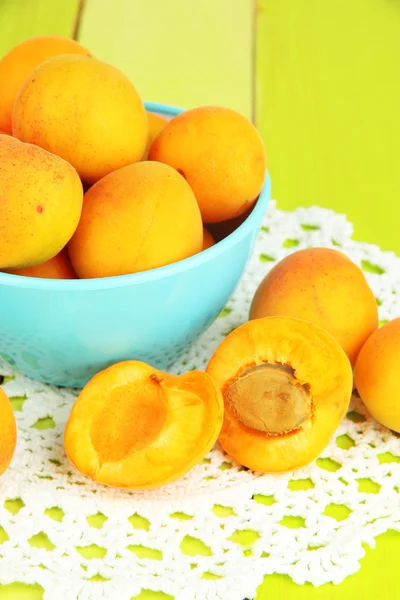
(135, 427)
(8, 432)
(325, 287)
(377, 373)
(286, 385)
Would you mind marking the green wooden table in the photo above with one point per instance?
(320, 79)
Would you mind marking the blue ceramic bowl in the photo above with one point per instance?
(65, 331)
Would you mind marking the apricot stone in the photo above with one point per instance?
(8, 432)
(41, 203)
(325, 287)
(221, 155)
(377, 374)
(85, 111)
(135, 219)
(16, 65)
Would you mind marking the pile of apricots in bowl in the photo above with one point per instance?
(85, 201)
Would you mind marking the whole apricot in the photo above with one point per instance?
(41, 203)
(221, 155)
(377, 374)
(135, 427)
(85, 111)
(58, 267)
(16, 65)
(325, 287)
(286, 385)
(156, 124)
(208, 239)
(140, 217)
(8, 432)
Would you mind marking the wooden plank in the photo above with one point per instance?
(376, 580)
(178, 52)
(328, 108)
(21, 19)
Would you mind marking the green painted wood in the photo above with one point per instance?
(177, 51)
(376, 580)
(21, 19)
(328, 98)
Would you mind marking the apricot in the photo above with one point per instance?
(221, 230)
(85, 111)
(40, 207)
(377, 375)
(286, 385)
(208, 239)
(156, 124)
(325, 287)
(221, 155)
(135, 427)
(58, 267)
(18, 63)
(8, 432)
(140, 217)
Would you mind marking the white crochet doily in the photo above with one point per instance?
(245, 525)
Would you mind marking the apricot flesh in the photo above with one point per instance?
(325, 287)
(138, 218)
(20, 61)
(286, 385)
(85, 111)
(138, 428)
(221, 155)
(58, 267)
(8, 432)
(41, 203)
(377, 375)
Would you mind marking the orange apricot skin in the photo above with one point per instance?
(177, 448)
(8, 432)
(377, 373)
(318, 361)
(98, 123)
(208, 239)
(41, 203)
(58, 267)
(221, 155)
(138, 218)
(18, 63)
(325, 287)
(156, 124)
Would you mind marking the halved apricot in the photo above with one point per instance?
(8, 432)
(135, 427)
(286, 385)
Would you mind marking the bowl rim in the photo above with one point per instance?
(117, 281)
